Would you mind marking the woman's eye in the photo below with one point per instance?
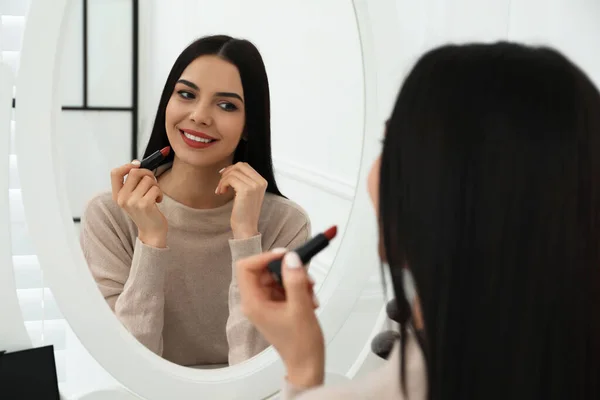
(185, 94)
(228, 106)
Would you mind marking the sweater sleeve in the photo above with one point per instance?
(131, 280)
(244, 340)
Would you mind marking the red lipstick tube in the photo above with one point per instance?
(306, 252)
(153, 160)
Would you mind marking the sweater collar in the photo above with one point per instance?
(213, 220)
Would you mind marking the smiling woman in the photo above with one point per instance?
(205, 110)
(161, 245)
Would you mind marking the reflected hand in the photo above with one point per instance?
(249, 189)
(138, 195)
(286, 319)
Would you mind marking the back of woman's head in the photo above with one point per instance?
(255, 148)
(490, 193)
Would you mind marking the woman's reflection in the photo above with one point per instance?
(161, 244)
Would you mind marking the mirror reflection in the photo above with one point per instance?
(162, 242)
(189, 161)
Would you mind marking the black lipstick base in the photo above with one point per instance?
(306, 252)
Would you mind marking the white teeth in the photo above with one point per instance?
(196, 138)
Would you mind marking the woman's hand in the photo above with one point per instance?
(286, 319)
(249, 189)
(138, 196)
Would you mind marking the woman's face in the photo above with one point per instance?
(373, 184)
(373, 188)
(205, 116)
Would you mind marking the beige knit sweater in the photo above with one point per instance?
(182, 302)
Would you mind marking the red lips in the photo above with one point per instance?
(194, 143)
(198, 134)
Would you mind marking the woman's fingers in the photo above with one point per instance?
(143, 185)
(250, 270)
(135, 176)
(296, 282)
(277, 293)
(152, 196)
(117, 176)
(259, 288)
(245, 173)
(237, 180)
(266, 279)
(250, 172)
(137, 184)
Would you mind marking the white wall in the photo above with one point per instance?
(569, 25)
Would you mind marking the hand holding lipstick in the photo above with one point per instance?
(288, 320)
(138, 195)
(249, 189)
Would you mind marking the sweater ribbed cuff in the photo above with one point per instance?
(149, 266)
(242, 248)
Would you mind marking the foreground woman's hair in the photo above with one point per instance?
(490, 194)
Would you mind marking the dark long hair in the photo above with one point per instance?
(490, 193)
(256, 149)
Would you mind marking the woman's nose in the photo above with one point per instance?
(201, 115)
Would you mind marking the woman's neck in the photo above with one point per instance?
(193, 186)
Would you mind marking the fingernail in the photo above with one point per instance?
(223, 169)
(279, 250)
(216, 191)
(316, 301)
(136, 162)
(292, 260)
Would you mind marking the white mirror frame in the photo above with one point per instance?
(57, 246)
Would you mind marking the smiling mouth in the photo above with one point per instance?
(196, 138)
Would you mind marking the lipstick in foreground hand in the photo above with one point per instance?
(154, 159)
(306, 251)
